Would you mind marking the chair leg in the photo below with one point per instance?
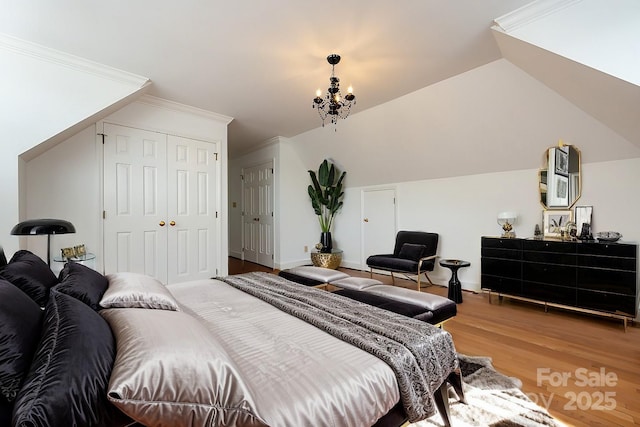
(419, 282)
(371, 273)
(393, 279)
(429, 278)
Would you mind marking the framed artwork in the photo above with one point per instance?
(562, 162)
(554, 222)
(559, 195)
(583, 217)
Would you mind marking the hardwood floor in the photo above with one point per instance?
(585, 369)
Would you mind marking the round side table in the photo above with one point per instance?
(327, 259)
(455, 288)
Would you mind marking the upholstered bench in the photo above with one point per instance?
(423, 306)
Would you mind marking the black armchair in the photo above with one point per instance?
(414, 254)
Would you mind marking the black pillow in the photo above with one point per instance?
(20, 323)
(411, 251)
(31, 274)
(67, 382)
(82, 283)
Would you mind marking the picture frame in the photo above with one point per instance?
(562, 162)
(554, 222)
(583, 215)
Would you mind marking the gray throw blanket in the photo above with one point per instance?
(421, 355)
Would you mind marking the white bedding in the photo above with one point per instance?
(297, 374)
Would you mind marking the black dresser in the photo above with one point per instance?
(599, 278)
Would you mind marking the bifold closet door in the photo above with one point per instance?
(135, 201)
(192, 212)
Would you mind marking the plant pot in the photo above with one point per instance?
(325, 240)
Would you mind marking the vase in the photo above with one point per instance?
(325, 240)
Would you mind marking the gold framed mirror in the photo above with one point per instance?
(560, 178)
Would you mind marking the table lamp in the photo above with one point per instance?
(506, 221)
(43, 226)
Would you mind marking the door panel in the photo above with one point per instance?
(379, 222)
(192, 213)
(134, 201)
(258, 199)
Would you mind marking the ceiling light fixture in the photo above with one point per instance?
(333, 105)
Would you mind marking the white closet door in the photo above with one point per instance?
(135, 201)
(191, 189)
(378, 222)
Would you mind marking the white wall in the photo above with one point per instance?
(44, 93)
(66, 181)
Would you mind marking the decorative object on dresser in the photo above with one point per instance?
(554, 222)
(590, 277)
(583, 216)
(506, 220)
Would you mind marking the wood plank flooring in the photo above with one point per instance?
(585, 369)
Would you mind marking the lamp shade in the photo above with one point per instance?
(43, 226)
(507, 216)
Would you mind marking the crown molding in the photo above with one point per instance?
(46, 54)
(530, 13)
(176, 106)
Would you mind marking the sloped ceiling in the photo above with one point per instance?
(261, 62)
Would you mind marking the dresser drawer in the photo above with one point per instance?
(501, 284)
(501, 268)
(550, 257)
(603, 301)
(614, 263)
(499, 243)
(549, 273)
(608, 249)
(599, 279)
(501, 253)
(549, 293)
(549, 246)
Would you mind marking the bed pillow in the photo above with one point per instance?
(67, 381)
(411, 251)
(200, 383)
(31, 274)
(20, 323)
(83, 283)
(133, 290)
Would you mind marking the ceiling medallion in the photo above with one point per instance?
(333, 105)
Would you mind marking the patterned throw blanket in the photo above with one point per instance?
(421, 355)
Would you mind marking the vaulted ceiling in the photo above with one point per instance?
(261, 62)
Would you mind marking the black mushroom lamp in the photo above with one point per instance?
(43, 226)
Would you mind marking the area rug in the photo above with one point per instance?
(493, 399)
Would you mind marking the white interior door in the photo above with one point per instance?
(135, 201)
(378, 222)
(191, 216)
(258, 200)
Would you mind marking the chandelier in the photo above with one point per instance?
(333, 105)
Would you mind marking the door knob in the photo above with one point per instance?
(366, 220)
(172, 223)
(161, 223)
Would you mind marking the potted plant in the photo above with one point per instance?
(326, 196)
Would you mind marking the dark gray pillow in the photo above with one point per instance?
(31, 274)
(68, 378)
(411, 251)
(82, 283)
(20, 323)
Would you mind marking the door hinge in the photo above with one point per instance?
(271, 213)
(103, 136)
(104, 214)
(216, 214)
(216, 154)
(242, 177)
(272, 171)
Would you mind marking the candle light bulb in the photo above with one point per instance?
(350, 90)
(318, 93)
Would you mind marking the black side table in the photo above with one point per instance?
(455, 288)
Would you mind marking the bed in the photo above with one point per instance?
(125, 349)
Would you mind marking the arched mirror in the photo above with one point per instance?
(560, 177)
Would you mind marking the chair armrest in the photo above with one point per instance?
(427, 258)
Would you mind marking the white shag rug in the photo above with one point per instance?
(493, 399)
